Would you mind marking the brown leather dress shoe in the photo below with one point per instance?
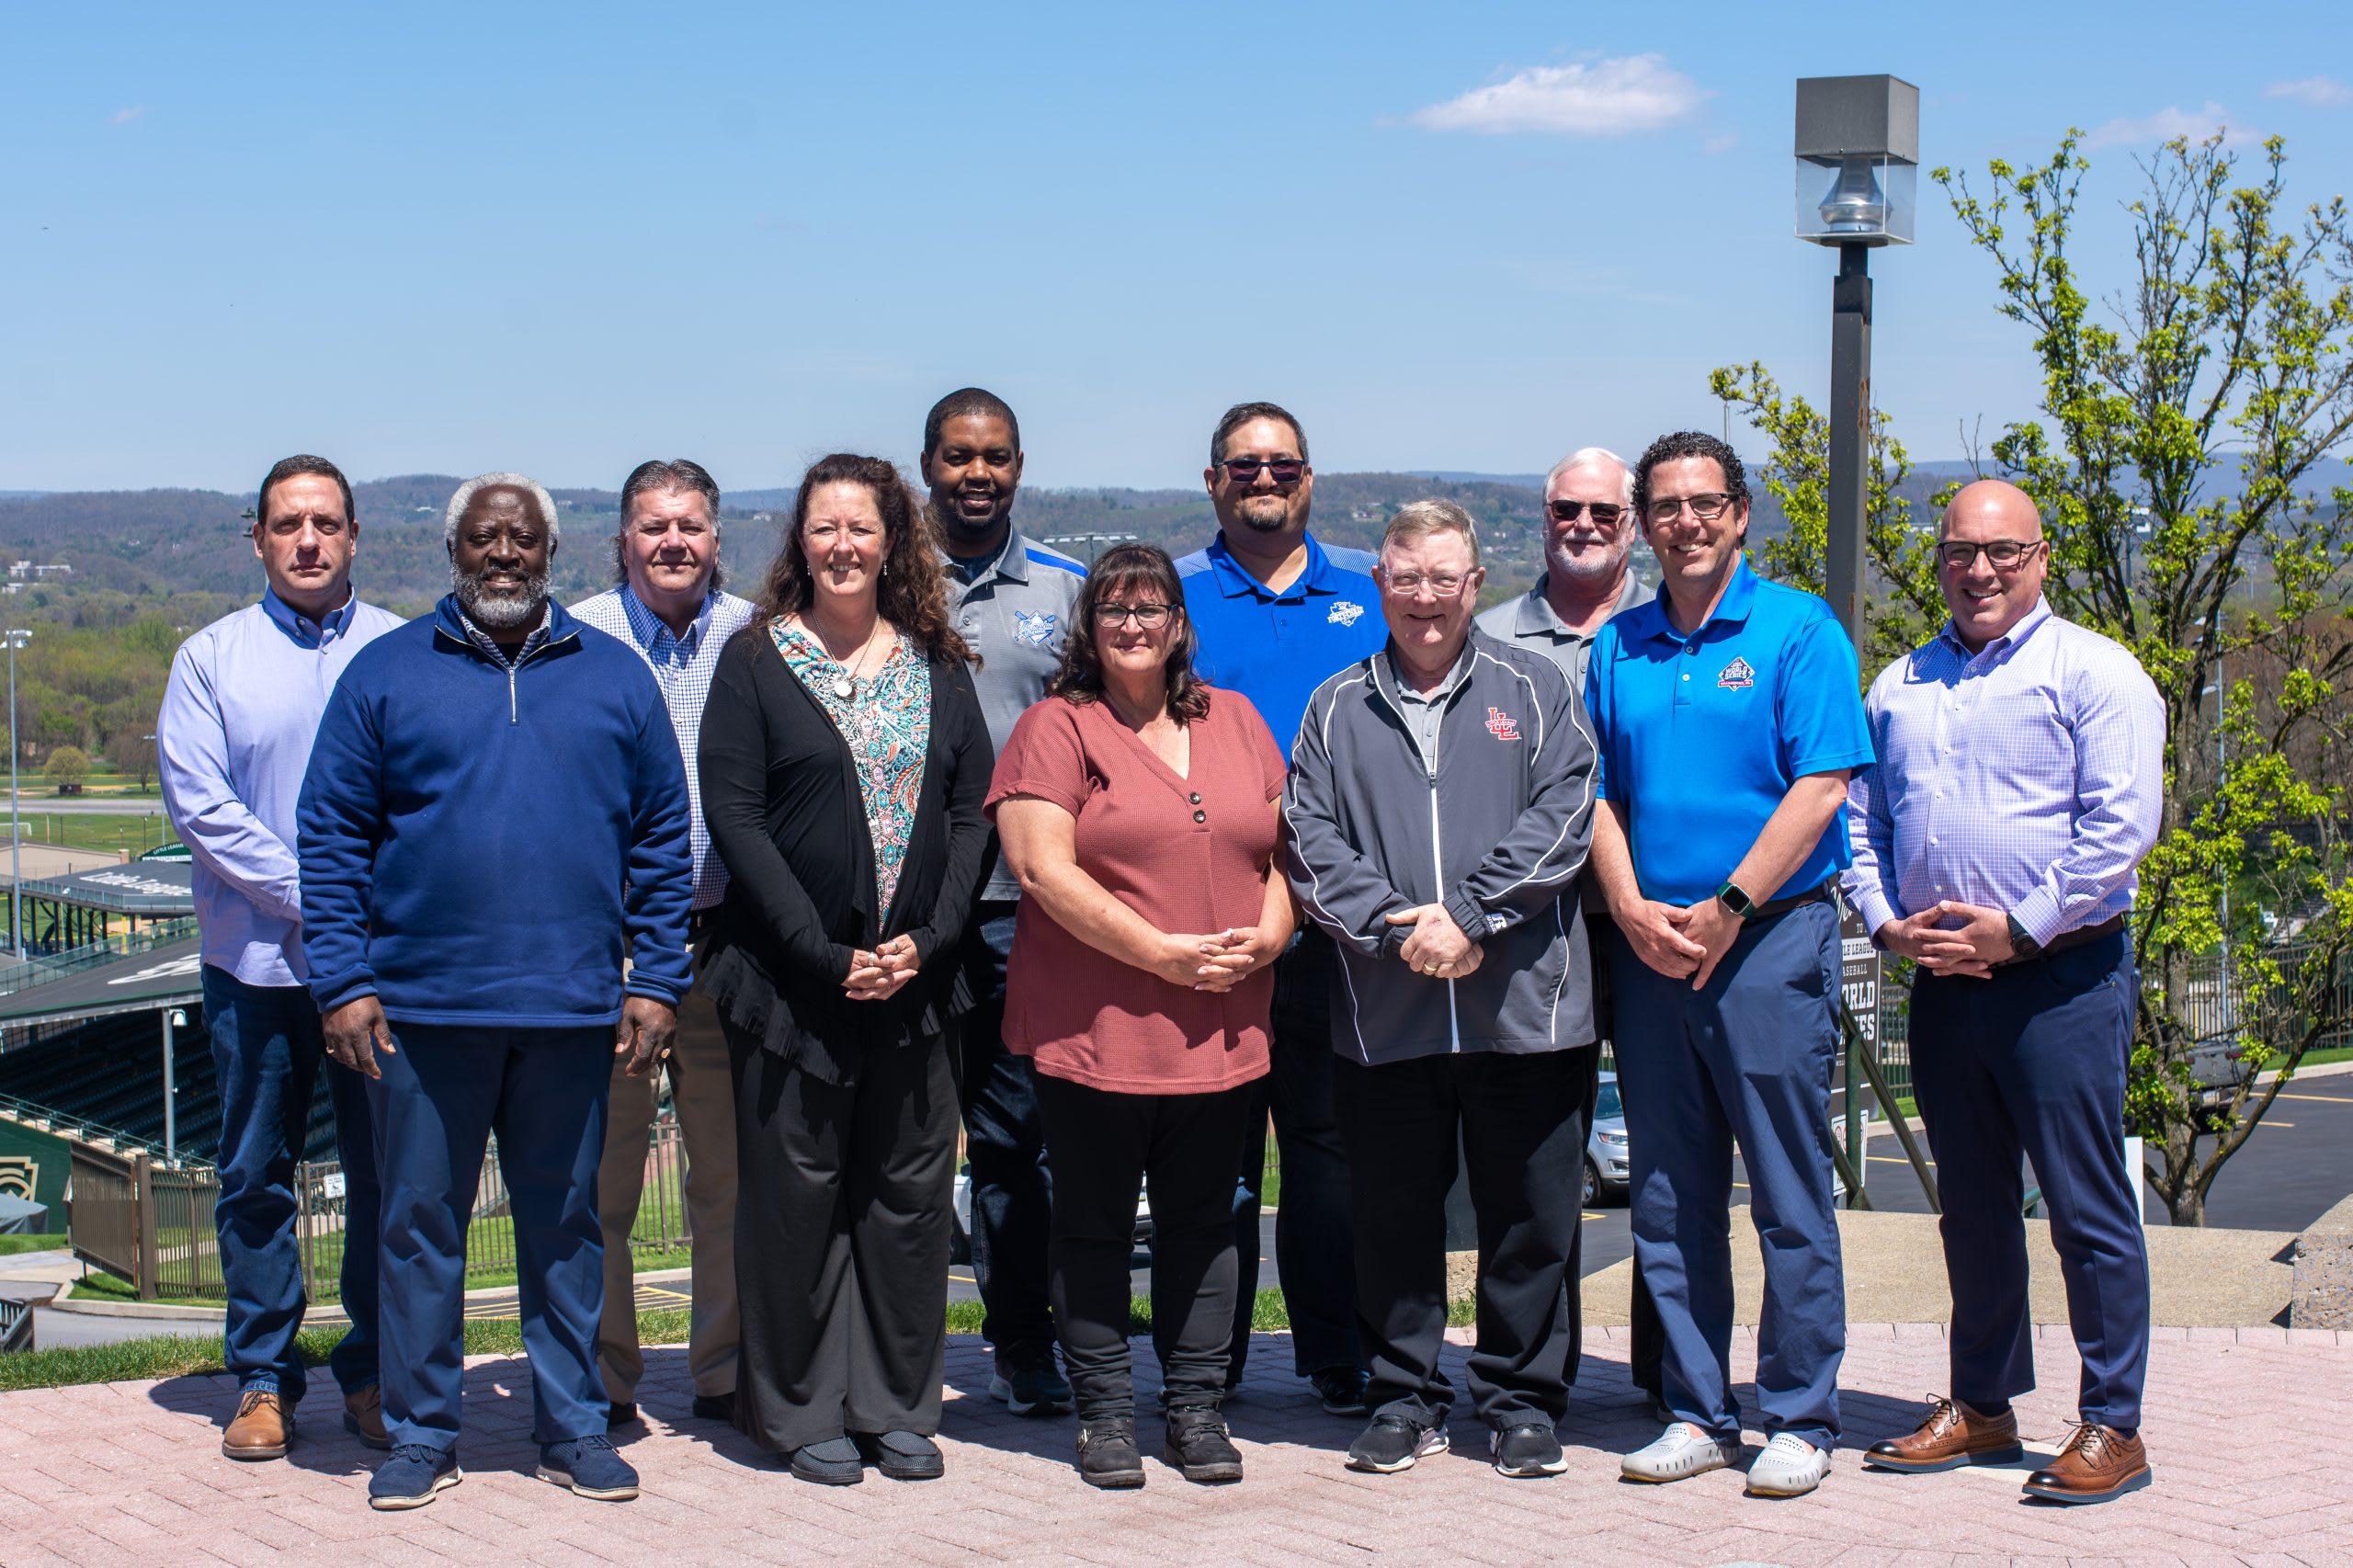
(363, 1416)
(1954, 1435)
(261, 1428)
(2096, 1463)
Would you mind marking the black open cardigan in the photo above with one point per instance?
(781, 797)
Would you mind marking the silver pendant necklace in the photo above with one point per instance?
(845, 683)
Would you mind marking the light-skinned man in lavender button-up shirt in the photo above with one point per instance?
(2021, 766)
(234, 739)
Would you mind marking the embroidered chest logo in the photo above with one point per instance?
(1347, 612)
(1502, 725)
(1033, 628)
(1736, 675)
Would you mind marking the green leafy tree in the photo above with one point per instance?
(67, 766)
(2181, 422)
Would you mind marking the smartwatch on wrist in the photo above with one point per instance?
(2022, 942)
(1733, 898)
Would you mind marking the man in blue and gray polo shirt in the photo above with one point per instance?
(1276, 614)
(1728, 722)
(1011, 600)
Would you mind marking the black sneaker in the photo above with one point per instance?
(833, 1463)
(590, 1468)
(1342, 1390)
(1029, 1383)
(715, 1407)
(901, 1455)
(1527, 1450)
(1199, 1448)
(1392, 1443)
(412, 1476)
(1108, 1456)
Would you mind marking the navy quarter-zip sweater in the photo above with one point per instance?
(480, 846)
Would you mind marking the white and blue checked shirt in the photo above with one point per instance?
(2026, 778)
(682, 666)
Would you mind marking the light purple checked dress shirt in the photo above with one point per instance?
(2026, 777)
(232, 744)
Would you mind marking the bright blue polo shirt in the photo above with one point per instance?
(1276, 649)
(1701, 736)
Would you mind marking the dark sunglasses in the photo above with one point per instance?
(1286, 470)
(1605, 514)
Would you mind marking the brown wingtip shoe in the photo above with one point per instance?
(2095, 1464)
(363, 1416)
(1954, 1435)
(261, 1429)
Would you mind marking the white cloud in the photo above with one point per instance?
(2311, 90)
(1597, 98)
(125, 116)
(2163, 126)
(1723, 143)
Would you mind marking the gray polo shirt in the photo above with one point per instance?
(1016, 616)
(1426, 711)
(1531, 619)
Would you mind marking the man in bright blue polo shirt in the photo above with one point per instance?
(1275, 613)
(1728, 722)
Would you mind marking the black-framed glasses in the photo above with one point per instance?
(1707, 506)
(1283, 471)
(1151, 617)
(1605, 514)
(2006, 554)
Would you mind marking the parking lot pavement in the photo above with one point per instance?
(2242, 1430)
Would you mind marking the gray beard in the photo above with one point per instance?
(499, 614)
(1589, 571)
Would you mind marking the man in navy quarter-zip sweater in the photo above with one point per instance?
(495, 817)
(1441, 803)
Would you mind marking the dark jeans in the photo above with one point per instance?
(268, 1051)
(1005, 1142)
(1644, 1334)
(1520, 1122)
(1105, 1146)
(2032, 1060)
(445, 1090)
(1314, 1250)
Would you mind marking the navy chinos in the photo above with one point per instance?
(1746, 1061)
(2033, 1061)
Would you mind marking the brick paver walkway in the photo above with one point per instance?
(2245, 1435)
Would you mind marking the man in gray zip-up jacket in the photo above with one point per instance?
(1440, 802)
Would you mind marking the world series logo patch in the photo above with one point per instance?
(1736, 675)
(1346, 612)
(1033, 628)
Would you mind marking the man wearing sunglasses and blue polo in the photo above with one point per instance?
(1275, 613)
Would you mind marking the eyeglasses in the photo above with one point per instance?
(2006, 554)
(1707, 507)
(1148, 616)
(1244, 471)
(1445, 585)
(1605, 514)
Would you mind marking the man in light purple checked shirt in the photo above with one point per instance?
(232, 741)
(668, 605)
(2021, 767)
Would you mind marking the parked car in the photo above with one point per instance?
(1606, 1171)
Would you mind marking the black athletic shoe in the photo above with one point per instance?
(1108, 1456)
(1028, 1380)
(619, 1413)
(1342, 1390)
(715, 1407)
(1199, 1448)
(901, 1455)
(1392, 1443)
(1527, 1450)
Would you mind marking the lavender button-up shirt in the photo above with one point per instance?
(2025, 778)
(233, 742)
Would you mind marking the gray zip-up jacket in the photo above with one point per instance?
(1495, 825)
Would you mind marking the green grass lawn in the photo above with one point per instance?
(11, 1245)
(133, 831)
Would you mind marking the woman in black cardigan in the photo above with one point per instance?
(844, 761)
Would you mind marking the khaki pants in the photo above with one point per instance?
(705, 1101)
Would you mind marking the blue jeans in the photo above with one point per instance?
(2032, 1060)
(445, 1089)
(1004, 1140)
(1745, 1060)
(266, 1053)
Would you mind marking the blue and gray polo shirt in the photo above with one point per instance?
(1276, 648)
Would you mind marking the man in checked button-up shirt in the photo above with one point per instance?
(668, 605)
(2021, 766)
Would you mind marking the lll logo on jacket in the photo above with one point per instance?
(1736, 675)
(1502, 725)
(1033, 628)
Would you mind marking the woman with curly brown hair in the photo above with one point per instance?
(844, 762)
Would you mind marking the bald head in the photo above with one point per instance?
(2006, 511)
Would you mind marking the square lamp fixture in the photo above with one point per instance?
(1858, 160)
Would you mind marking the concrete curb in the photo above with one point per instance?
(319, 1317)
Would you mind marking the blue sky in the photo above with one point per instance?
(562, 239)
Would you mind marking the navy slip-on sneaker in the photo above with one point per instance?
(414, 1474)
(590, 1466)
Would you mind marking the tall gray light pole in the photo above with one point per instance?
(18, 637)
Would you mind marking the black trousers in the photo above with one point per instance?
(1103, 1146)
(843, 1219)
(1521, 1123)
(1005, 1144)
